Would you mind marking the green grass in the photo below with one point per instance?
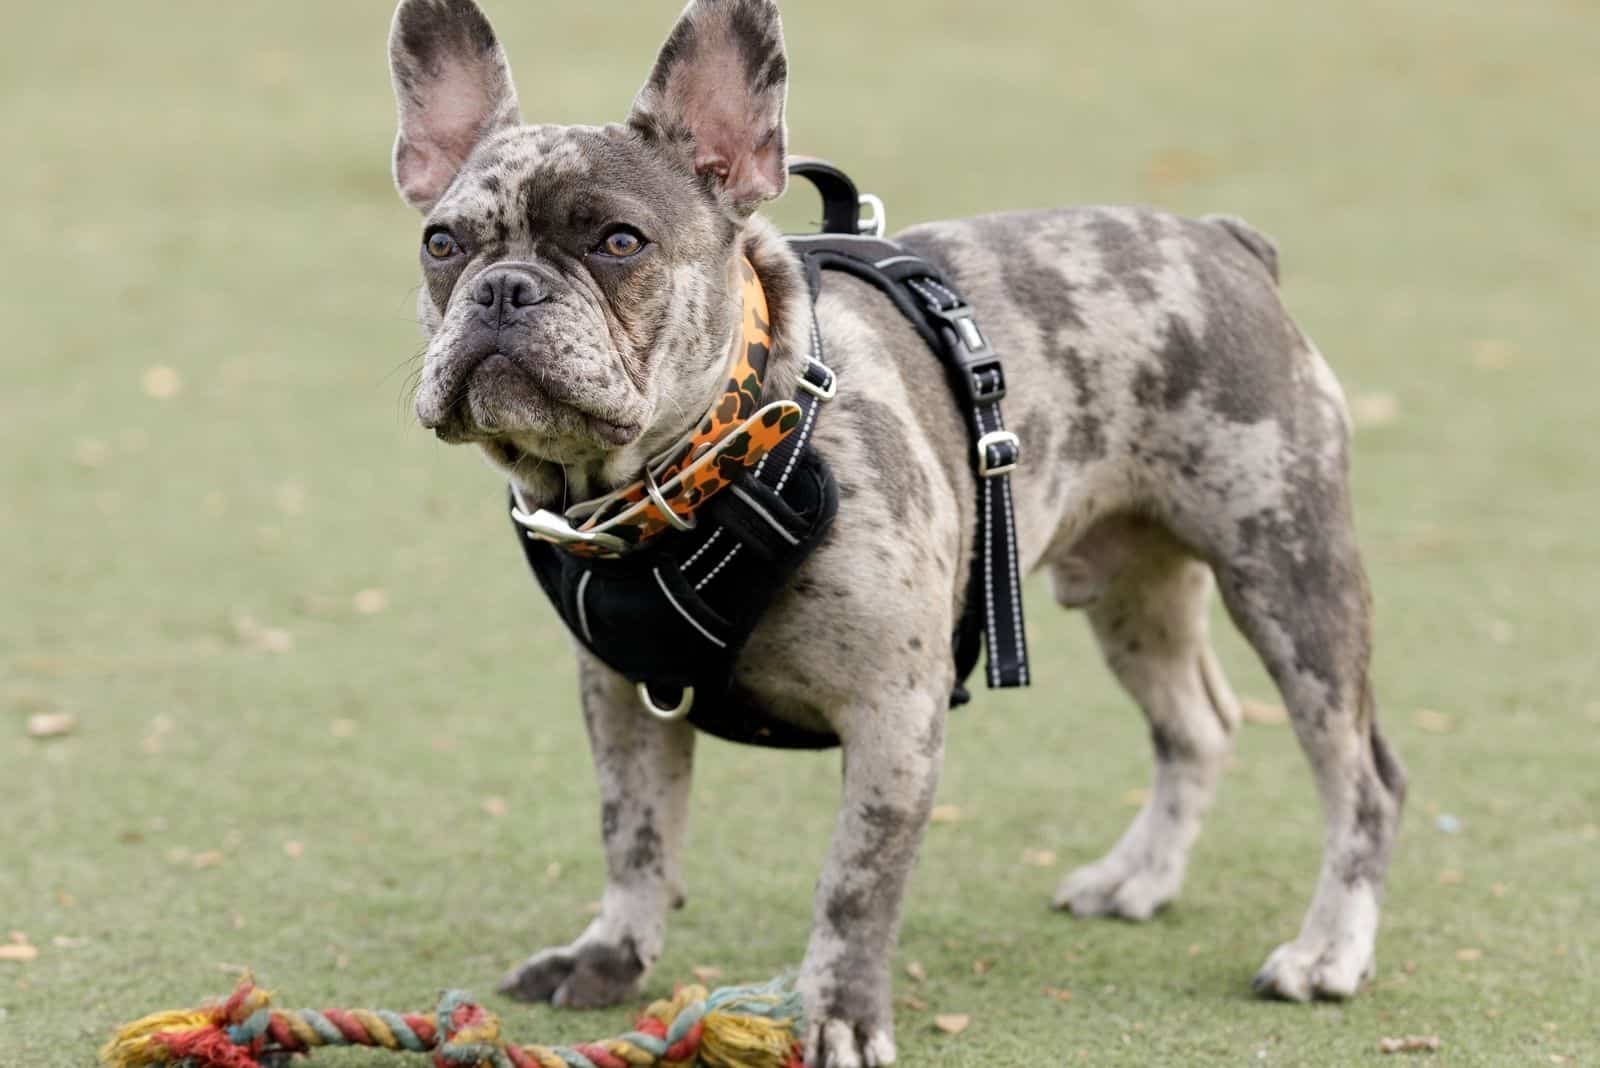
(204, 187)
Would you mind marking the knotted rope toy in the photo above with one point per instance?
(735, 1027)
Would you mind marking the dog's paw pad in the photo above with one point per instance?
(591, 976)
(840, 1044)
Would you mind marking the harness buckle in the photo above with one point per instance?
(990, 466)
(825, 390)
(548, 526)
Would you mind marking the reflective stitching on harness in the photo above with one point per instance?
(813, 405)
(933, 301)
(988, 568)
(800, 443)
(715, 534)
(726, 560)
(945, 292)
(583, 609)
(771, 520)
(1011, 559)
(684, 612)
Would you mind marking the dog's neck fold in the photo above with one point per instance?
(554, 486)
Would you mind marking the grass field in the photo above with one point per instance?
(327, 729)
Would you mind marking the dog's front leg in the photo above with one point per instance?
(892, 754)
(644, 766)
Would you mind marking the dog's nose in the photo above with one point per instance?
(508, 289)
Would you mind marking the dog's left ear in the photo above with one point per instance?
(719, 88)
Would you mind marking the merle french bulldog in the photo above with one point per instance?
(1179, 431)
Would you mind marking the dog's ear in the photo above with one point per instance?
(719, 88)
(452, 86)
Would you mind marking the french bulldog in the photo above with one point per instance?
(1180, 434)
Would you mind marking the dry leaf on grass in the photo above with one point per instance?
(916, 971)
(1492, 355)
(952, 1023)
(161, 382)
(1058, 993)
(342, 728)
(68, 942)
(495, 806)
(371, 602)
(18, 953)
(945, 814)
(1039, 858)
(1467, 956)
(92, 452)
(1499, 889)
(1171, 168)
(1136, 797)
(1432, 721)
(914, 1003)
(263, 639)
(1374, 409)
(291, 498)
(51, 724)
(981, 967)
(1452, 877)
(706, 973)
(294, 850)
(1262, 713)
(1409, 1044)
(210, 858)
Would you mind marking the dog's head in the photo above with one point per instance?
(580, 283)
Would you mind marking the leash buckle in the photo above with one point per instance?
(990, 466)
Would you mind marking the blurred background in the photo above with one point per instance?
(276, 690)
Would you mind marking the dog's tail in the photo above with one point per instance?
(1258, 243)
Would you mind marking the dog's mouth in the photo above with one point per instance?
(500, 404)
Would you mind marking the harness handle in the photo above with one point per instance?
(841, 200)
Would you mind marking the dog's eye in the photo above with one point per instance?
(441, 246)
(622, 242)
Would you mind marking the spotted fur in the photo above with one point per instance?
(1180, 435)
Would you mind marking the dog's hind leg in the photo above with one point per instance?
(1295, 586)
(1150, 619)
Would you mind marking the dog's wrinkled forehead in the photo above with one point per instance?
(550, 185)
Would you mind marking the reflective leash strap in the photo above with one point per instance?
(983, 384)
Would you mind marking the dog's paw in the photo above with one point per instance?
(1300, 971)
(584, 975)
(1113, 887)
(835, 1043)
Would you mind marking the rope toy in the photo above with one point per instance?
(735, 1027)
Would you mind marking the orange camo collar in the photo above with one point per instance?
(736, 434)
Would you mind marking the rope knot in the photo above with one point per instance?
(469, 1033)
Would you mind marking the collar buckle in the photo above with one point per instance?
(545, 525)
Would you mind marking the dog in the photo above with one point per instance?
(1181, 435)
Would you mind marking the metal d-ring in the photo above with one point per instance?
(661, 504)
(685, 702)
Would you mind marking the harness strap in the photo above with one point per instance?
(993, 614)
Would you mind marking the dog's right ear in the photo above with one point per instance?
(452, 87)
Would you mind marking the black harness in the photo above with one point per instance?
(673, 616)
